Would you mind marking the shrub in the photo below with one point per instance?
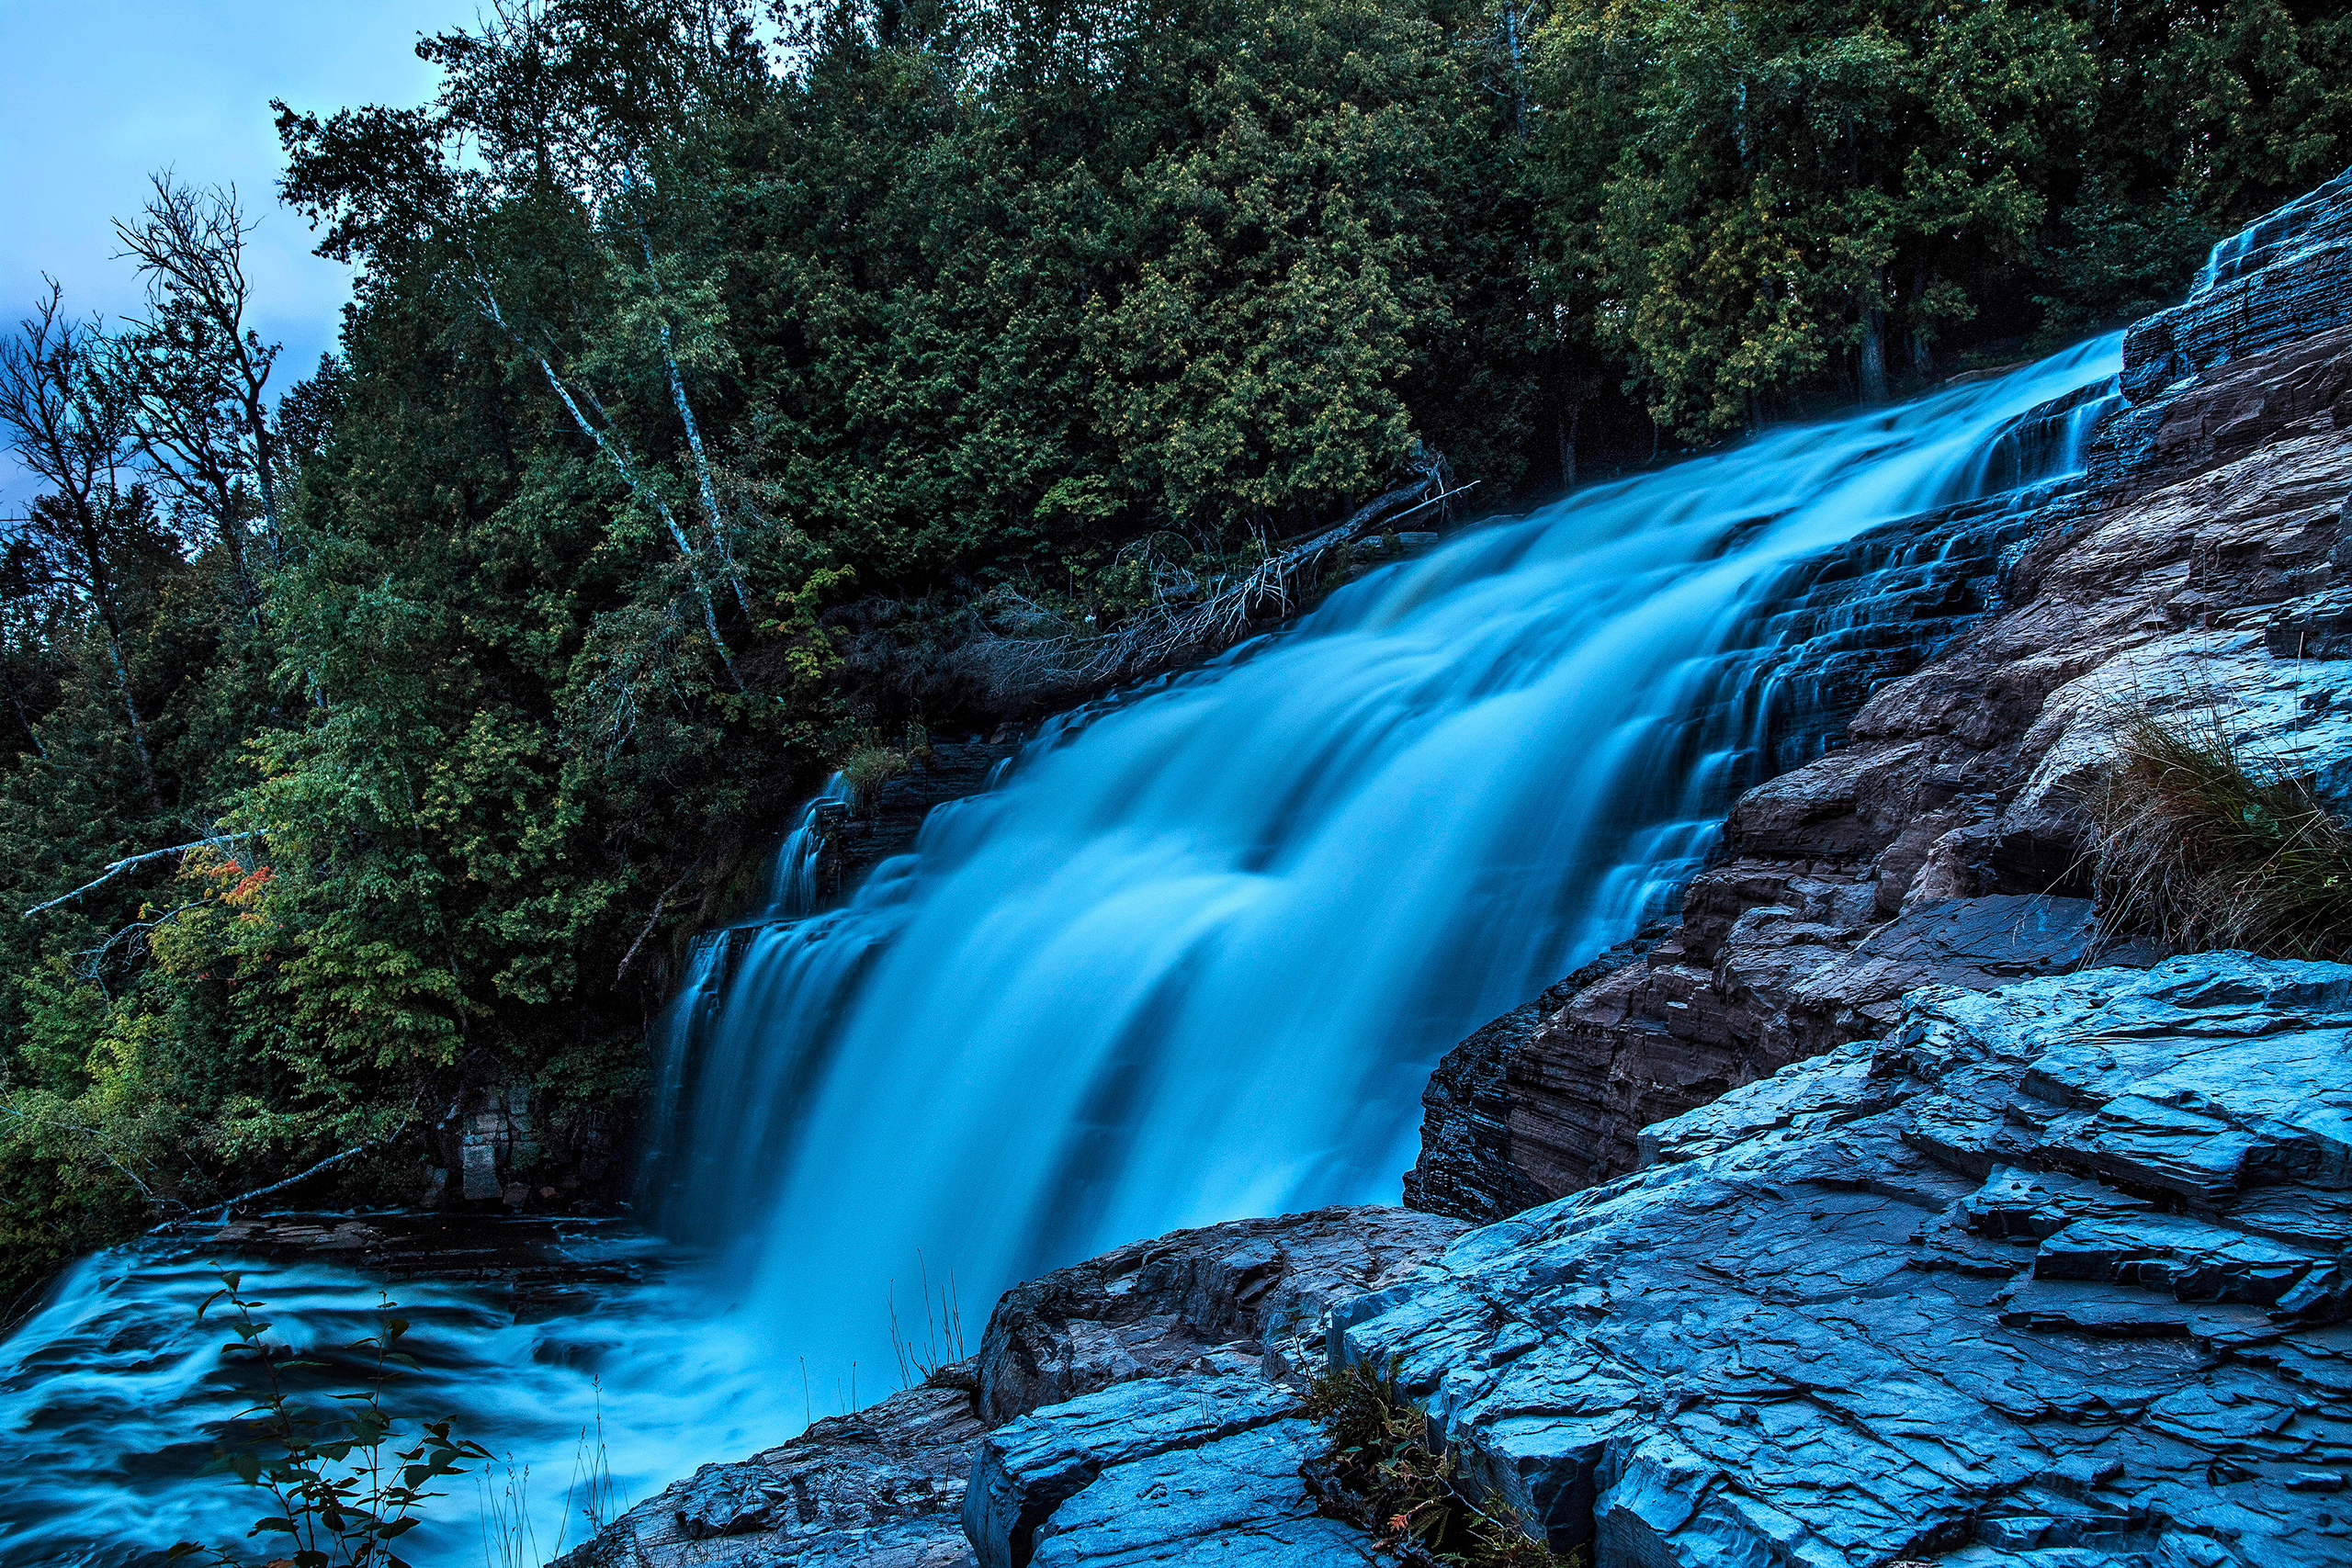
(2203, 845)
(1385, 1473)
(341, 1488)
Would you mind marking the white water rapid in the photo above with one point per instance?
(1192, 959)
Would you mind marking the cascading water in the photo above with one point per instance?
(1192, 959)
(1195, 959)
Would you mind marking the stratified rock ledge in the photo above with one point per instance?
(2055, 1275)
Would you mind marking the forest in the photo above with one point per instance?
(728, 393)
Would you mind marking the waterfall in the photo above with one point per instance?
(1194, 955)
(1190, 956)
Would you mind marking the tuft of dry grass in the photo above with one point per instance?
(1386, 1473)
(2202, 844)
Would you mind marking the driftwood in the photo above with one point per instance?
(242, 1199)
(1178, 625)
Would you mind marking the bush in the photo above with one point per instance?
(1386, 1474)
(2203, 845)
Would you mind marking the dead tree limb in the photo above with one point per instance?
(116, 868)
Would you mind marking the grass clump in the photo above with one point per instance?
(868, 770)
(1385, 1473)
(2202, 844)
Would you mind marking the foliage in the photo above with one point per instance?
(2204, 844)
(1401, 1486)
(342, 1486)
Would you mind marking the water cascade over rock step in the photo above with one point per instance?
(1198, 953)
(2199, 570)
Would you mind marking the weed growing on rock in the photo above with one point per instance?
(868, 770)
(2206, 846)
(342, 1487)
(1385, 1473)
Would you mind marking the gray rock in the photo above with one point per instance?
(1233, 1504)
(2054, 1274)
(1221, 1298)
(1026, 1469)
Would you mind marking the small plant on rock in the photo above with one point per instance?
(1385, 1473)
(868, 770)
(2205, 845)
(343, 1486)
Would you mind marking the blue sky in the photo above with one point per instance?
(97, 93)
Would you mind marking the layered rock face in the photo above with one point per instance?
(2054, 1276)
(2203, 568)
(1175, 1354)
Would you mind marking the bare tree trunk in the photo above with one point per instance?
(1873, 367)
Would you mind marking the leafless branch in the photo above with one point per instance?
(115, 868)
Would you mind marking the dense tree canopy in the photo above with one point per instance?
(703, 395)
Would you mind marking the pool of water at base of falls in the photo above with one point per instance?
(1191, 958)
(594, 1360)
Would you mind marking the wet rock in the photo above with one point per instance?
(2287, 277)
(855, 845)
(1159, 1348)
(2053, 1274)
(1466, 1168)
(880, 1488)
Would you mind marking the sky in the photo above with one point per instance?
(96, 95)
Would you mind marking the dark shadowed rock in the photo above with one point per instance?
(2053, 1276)
(1466, 1170)
(1235, 1296)
(2287, 277)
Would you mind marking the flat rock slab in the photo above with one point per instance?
(1027, 1469)
(2055, 1275)
(1237, 1503)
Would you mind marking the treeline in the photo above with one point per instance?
(716, 381)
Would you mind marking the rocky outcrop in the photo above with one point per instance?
(2288, 276)
(1128, 1359)
(1194, 1469)
(2202, 571)
(2054, 1275)
(1246, 1295)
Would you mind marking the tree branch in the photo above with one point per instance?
(116, 868)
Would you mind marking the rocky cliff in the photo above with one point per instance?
(2203, 564)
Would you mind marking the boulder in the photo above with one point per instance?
(1242, 1295)
(2055, 1274)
